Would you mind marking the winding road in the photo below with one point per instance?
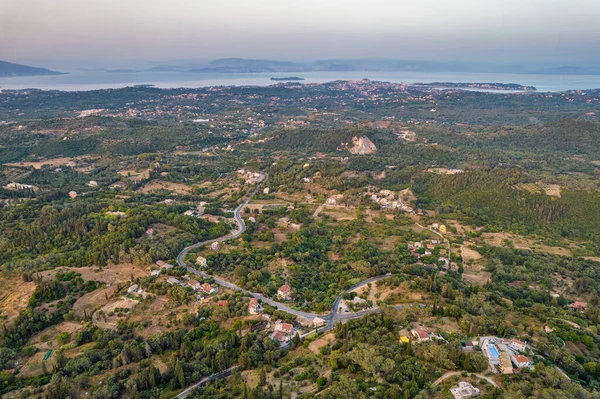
(329, 318)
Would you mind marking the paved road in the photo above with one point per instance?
(217, 376)
(241, 228)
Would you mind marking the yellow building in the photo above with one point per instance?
(404, 339)
(442, 228)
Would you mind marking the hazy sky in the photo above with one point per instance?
(120, 31)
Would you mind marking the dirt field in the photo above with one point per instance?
(70, 327)
(14, 296)
(317, 344)
(110, 274)
(92, 301)
(519, 242)
(552, 190)
(107, 321)
(469, 254)
(178, 188)
(135, 176)
(479, 278)
(339, 212)
(38, 164)
(34, 367)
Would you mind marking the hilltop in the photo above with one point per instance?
(8, 69)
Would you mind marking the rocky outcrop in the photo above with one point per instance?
(362, 145)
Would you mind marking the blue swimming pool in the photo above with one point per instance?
(494, 352)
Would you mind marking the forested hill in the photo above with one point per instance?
(8, 69)
(566, 135)
(323, 140)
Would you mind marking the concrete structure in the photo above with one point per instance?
(201, 261)
(464, 390)
(578, 305)
(284, 327)
(517, 345)
(207, 288)
(132, 289)
(173, 280)
(521, 361)
(420, 334)
(318, 322)
(284, 292)
(254, 307)
(164, 265)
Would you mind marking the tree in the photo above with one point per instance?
(295, 341)
(179, 374)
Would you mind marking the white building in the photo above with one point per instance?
(464, 390)
(517, 345)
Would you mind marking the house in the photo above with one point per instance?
(420, 334)
(189, 212)
(173, 280)
(207, 288)
(284, 327)
(318, 322)
(93, 183)
(517, 345)
(254, 307)
(505, 363)
(72, 194)
(281, 337)
(215, 246)
(155, 273)
(194, 284)
(521, 361)
(222, 303)
(163, 265)
(464, 390)
(284, 292)
(201, 261)
(578, 305)
(132, 289)
(442, 228)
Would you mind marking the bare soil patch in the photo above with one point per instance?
(106, 320)
(317, 344)
(155, 185)
(134, 175)
(479, 279)
(14, 297)
(38, 164)
(110, 274)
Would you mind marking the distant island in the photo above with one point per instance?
(243, 65)
(8, 69)
(288, 78)
(484, 86)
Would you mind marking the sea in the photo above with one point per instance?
(94, 80)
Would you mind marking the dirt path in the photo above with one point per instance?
(453, 373)
(318, 210)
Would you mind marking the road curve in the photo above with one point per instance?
(329, 318)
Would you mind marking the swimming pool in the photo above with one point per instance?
(493, 352)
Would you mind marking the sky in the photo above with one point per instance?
(125, 32)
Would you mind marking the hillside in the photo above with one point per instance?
(8, 69)
(353, 140)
